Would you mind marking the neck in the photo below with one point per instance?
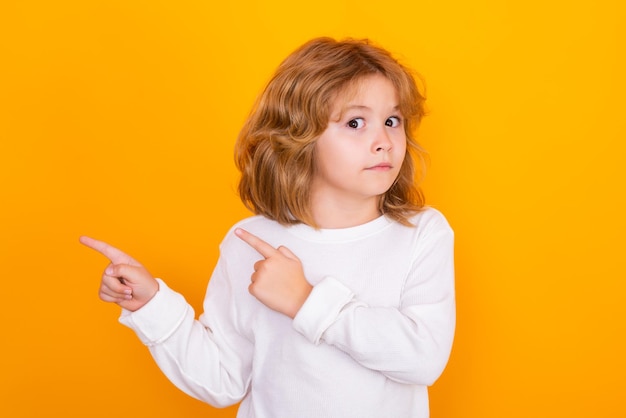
(336, 214)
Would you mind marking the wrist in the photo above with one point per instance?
(303, 295)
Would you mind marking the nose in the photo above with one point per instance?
(382, 142)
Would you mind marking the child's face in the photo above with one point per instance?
(359, 155)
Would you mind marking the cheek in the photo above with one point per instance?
(326, 158)
(335, 153)
(400, 144)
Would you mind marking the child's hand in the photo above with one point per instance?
(124, 281)
(278, 281)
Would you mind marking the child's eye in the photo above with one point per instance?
(393, 122)
(356, 123)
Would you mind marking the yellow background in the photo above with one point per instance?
(118, 118)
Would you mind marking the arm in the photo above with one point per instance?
(204, 358)
(409, 344)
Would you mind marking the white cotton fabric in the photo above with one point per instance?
(375, 332)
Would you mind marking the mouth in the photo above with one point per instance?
(380, 167)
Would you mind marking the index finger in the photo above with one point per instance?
(263, 248)
(113, 254)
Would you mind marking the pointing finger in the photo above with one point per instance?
(263, 248)
(113, 254)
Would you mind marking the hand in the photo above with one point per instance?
(124, 281)
(278, 280)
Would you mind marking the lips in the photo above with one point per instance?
(380, 167)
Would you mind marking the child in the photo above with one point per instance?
(337, 298)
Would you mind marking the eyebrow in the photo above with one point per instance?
(337, 115)
(340, 113)
(351, 107)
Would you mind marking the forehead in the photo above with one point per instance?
(371, 88)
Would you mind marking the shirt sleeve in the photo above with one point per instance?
(209, 361)
(410, 343)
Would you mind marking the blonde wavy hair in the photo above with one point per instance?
(275, 149)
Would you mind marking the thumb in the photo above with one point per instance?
(143, 285)
(287, 253)
(127, 273)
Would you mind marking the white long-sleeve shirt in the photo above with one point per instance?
(376, 330)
